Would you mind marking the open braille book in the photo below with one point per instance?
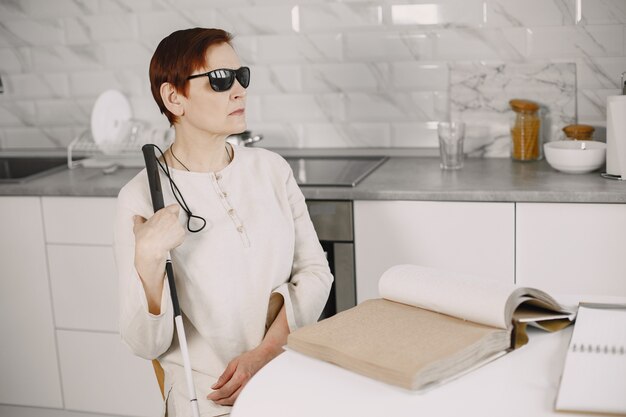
(430, 326)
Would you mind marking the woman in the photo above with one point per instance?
(255, 272)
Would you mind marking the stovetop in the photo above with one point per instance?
(330, 171)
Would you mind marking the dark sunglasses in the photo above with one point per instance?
(223, 79)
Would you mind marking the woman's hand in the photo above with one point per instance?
(159, 234)
(238, 373)
(153, 239)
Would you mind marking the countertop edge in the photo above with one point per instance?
(399, 178)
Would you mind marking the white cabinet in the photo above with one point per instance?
(99, 373)
(83, 278)
(79, 220)
(474, 238)
(563, 248)
(29, 371)
(84, 287)
(572, 248)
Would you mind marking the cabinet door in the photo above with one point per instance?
(101, 375)
(87, 220)
(572, 248)
(473, 238)
(29, 371)
(84, 287)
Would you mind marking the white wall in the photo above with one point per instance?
(326, 73)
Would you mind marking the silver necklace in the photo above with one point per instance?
(230, 158)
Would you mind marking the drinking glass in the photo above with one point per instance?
(451, 136)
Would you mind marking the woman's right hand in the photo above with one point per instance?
(154, 238)
(159, 234)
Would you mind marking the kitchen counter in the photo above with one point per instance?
(399, 178)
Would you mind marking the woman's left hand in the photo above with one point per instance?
(238, 373)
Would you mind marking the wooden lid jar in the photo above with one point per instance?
(525, 131)
(579, 132)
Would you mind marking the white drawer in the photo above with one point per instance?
(87, 220)
(101, 375)
(84, 287)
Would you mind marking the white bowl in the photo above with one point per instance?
(575, 156)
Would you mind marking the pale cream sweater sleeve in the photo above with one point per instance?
(306, 293)
(147, 335)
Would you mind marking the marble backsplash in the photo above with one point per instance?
(480, 94)
(325, 73)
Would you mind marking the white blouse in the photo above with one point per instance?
(258, 240)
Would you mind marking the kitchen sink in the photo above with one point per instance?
(333, 171)
(16, 169)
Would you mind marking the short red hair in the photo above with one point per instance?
(177, 57)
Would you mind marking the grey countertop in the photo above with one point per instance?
(399, 178)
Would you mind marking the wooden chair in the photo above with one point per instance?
(160, 376)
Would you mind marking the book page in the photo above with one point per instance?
(533, 311)
(460, 295)
(400, 344)
(594, 374)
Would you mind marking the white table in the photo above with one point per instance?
(521, 383)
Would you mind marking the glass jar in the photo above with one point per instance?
(578, 132)
(525, 131)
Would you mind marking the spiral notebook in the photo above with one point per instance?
(594, 375)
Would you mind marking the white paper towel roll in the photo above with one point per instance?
(616, 135)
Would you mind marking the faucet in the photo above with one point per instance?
(623, 83)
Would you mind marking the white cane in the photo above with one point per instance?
(156, 193)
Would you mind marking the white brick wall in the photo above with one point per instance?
(325, 73)
(38, 86)
(568, 42)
